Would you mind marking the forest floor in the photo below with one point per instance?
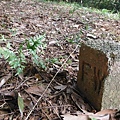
(50, 93)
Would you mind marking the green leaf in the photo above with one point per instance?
(20, 70)
(20, 104)
(9, 46)
(16, 59)
(2, 38)
(93, 119)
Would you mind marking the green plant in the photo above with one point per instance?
(2, 38)
(17, 58)
(72, 10)
(70, 40)
(36, 46)
(13, 31)
(54, 60)
(93, 119)
(9, 55)
(16, 62)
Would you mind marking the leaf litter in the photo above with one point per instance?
(45, 94)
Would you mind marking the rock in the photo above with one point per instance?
(99, 73)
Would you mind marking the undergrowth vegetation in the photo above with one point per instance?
(113, 5)
(33, 48)
(113, 12)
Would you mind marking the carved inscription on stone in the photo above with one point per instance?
(92, 71)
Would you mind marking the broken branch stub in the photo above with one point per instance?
(99, 73)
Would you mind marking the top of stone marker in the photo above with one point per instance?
(109, 47)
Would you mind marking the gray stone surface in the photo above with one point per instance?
(99, 73)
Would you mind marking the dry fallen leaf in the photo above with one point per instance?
(5, 79)
(106, 111)
(106, 117)
(37, 89)
(28, 102)
(74, 117)
(107, 114)
(60, 87)
(91, 36)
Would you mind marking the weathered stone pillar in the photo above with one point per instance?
(99, 73)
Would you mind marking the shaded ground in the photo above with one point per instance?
(64, 27)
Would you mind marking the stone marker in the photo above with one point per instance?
(99, 73)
